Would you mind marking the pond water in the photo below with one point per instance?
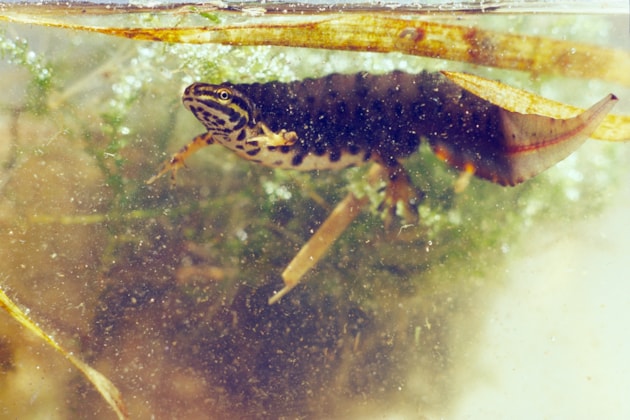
(501, 302)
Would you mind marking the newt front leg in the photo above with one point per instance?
(269, 138)
(177, 161)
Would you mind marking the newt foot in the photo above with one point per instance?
(269, 138)
(400, 195)
(176, 162)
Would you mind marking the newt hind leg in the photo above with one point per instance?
(177, 161)
(400, 194)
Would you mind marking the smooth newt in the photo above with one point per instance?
(345, 120)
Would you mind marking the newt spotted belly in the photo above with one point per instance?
(346, 120)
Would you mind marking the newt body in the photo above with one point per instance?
(346, 120)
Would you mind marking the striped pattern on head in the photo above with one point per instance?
(220, 108)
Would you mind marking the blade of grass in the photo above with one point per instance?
(104, 386)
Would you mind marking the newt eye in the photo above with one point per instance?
(224, 94)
